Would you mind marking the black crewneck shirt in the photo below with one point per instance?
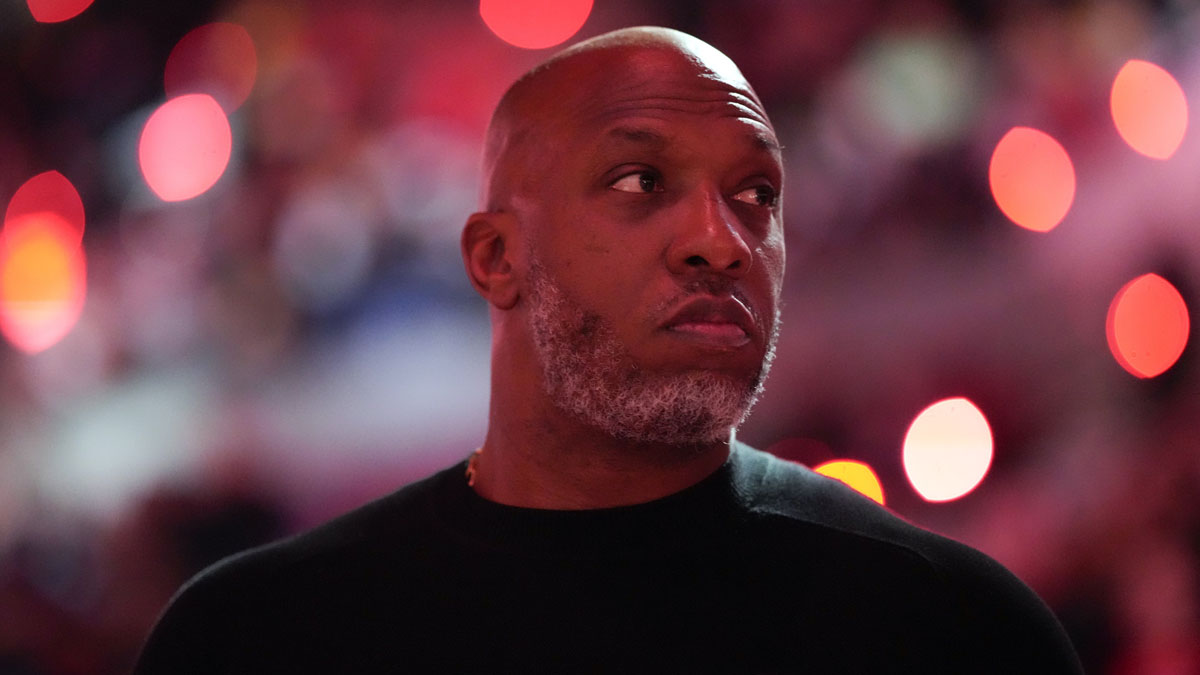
(762, 567)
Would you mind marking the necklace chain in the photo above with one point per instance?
(473, 466)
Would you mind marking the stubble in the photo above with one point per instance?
(589, 374)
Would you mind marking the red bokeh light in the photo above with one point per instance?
(53, 11)
(855, 474)
(42, 280)
(1149, 109)
(185, 147)
(1147, 326)
(947, 450)
(534, 24)
(217, 59)
(49, 191)
(1032, 179)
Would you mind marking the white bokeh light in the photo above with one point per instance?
(947, 450)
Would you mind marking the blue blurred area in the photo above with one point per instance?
(301, 338)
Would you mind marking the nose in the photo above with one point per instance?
(709, 239)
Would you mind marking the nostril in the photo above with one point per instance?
(701, 261)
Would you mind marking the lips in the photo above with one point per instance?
(717, 322)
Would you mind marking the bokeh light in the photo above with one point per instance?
(855, 474)
(1149, 109)
(534, 24)
(916, 89)
(53, 11)
(185, 147)
(42, 280)
(322, 252)
(48, 191)
(1147, 326)
(947, 450)
(217, 59)
(1032, 179)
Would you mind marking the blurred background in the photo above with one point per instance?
(233, 306)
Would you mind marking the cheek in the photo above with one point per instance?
(581, 258)
(594, 250)
(586, 267)
(771, 257)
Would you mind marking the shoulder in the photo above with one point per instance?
(774, 487)
(358, 533)
(991, 613)
(283, 586)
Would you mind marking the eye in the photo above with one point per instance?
(759, 195)
(638, 181)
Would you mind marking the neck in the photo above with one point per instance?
(554, 462)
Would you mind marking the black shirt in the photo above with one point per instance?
(763, 567)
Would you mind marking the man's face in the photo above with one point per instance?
(655, 249)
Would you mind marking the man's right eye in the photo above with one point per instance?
(638, 181)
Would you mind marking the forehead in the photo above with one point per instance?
(607, 90)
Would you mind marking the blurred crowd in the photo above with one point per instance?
(301, 337)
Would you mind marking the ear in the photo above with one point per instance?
(488, 244)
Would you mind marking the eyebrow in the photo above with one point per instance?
(658, 141)
(638, 136)
(764, 142)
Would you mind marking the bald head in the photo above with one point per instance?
(541, 106)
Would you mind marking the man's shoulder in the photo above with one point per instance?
(289, 587)
(773, 486)
(792, 493)
(994, 613)
(362, 538)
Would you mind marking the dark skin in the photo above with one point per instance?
(637, 164)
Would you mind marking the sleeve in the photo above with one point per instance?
(1002, 625)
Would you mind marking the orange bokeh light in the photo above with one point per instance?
(1032, 179)
(534, 24)
(48, 191)
(53, 11)
(855, 474)
(947, 450)
(217, 59)
(185, 147)
(1147, 326)
(42, 280)
(1149, 109)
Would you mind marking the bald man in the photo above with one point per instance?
(630, 248)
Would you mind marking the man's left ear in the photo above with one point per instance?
(487, 246)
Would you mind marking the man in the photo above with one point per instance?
(631, 250)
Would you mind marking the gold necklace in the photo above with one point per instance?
(472, 466)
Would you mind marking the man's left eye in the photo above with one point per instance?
(759, 195)
(639, 181)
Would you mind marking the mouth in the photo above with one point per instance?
(713, 322)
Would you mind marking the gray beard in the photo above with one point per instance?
(589, 374)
